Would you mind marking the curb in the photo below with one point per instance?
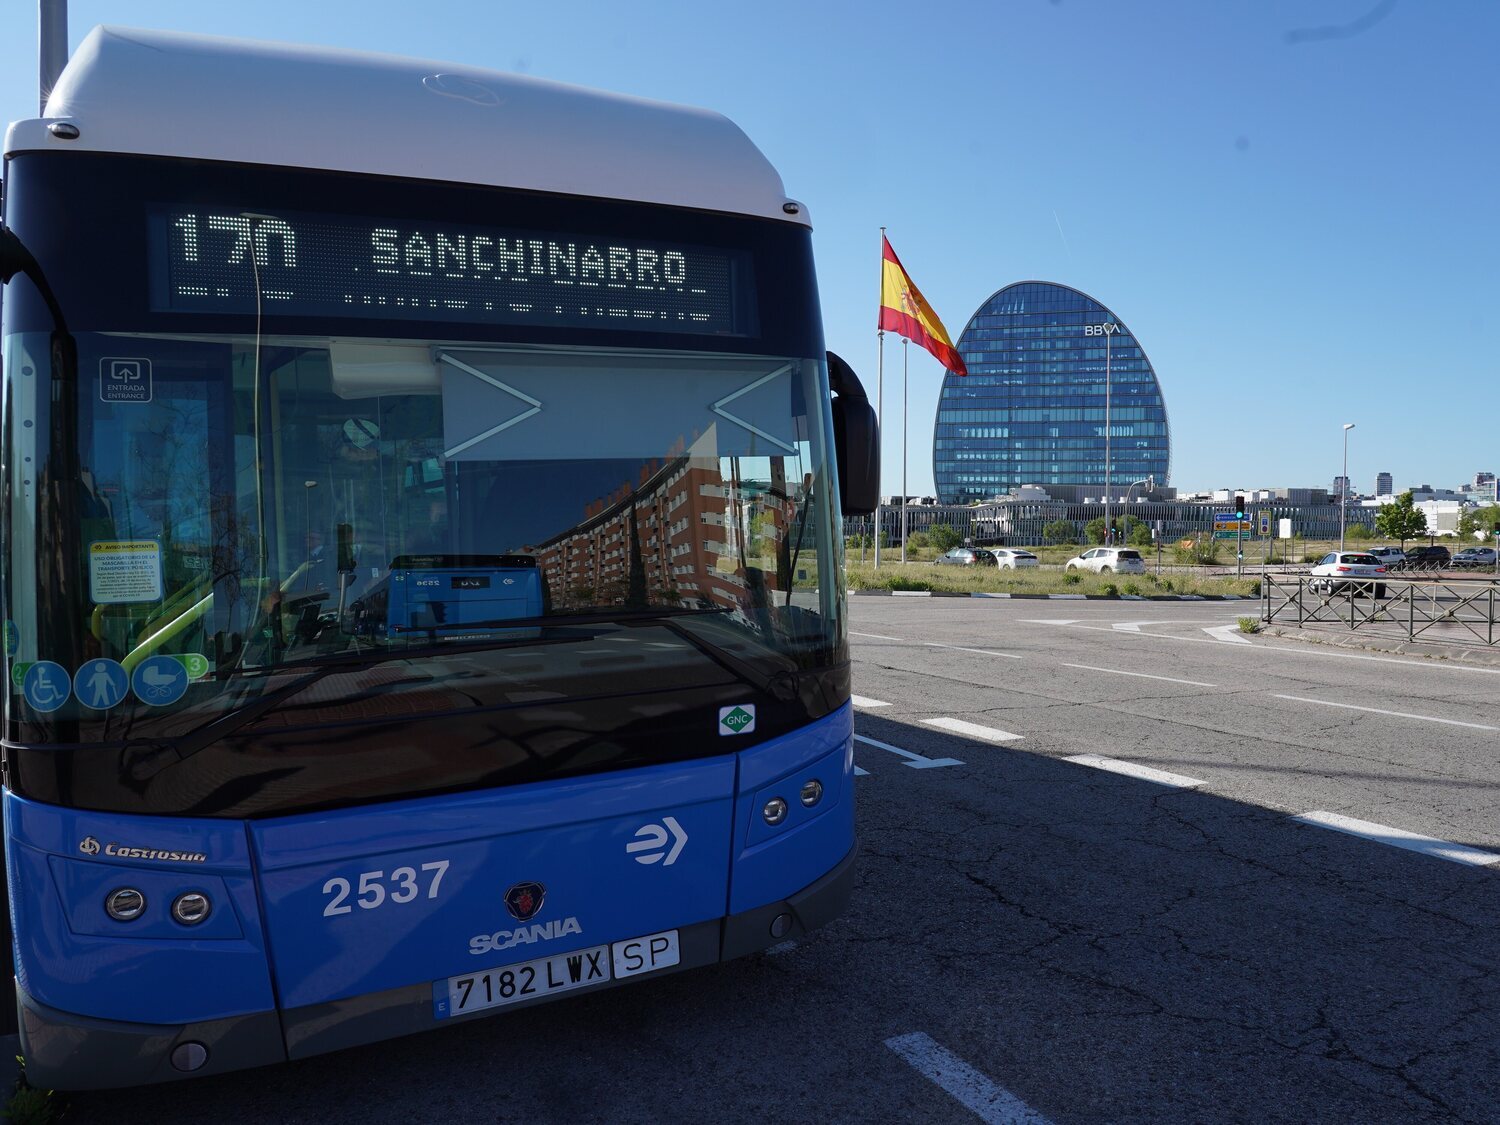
(1057, 597)
(1458, 655)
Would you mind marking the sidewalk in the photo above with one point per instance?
(1437, 643)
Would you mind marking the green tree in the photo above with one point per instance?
(1060, 531)
(1401, 520)
(943, 537)
(1140, 534)
(1479, 521)
(1359, 532)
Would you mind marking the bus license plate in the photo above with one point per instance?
(562, 972)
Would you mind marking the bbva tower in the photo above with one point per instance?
(1032, 408)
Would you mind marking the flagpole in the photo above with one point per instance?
(880, 393)
(904, 342)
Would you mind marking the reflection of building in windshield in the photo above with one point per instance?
(692, 546)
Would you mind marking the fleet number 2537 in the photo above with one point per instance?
(375, 888)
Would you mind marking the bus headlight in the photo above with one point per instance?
(125, 904)
(191, 908)
(774, 812)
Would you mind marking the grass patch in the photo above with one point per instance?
(1039, 580)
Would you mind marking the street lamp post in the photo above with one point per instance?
(1110, 328)
(1150, 483)
(1344, 486)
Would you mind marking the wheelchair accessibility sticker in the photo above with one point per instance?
(101, 684)
(46, 686)
(160, 681)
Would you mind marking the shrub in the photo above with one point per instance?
(917, 539)
(943, 537)
(1111, 590)
(1072, 577)
(1249, 624)
(1133, 588)
(1255, 589)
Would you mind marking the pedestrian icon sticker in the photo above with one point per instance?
(101, 684)
(160, 681)
(47, 686)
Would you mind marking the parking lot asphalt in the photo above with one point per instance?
(1117, 864)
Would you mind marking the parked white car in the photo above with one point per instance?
(1109, 560)
(1333, 574)
(1010, 559)
(1391, 556)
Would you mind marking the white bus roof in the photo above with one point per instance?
(203, 97)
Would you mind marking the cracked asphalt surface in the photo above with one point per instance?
(1103, 948)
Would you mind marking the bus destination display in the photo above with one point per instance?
(336, 266)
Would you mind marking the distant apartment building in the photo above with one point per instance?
(1340, 487)
(1384, 483)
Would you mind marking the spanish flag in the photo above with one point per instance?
(905, 311)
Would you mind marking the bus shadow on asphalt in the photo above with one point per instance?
(1098, 932)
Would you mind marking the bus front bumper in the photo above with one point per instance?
(64, 1051)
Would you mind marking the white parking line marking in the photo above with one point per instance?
(992, 1104)
(1131, 769)
(1140, 675)
(1397, 838)
(861, 773)
(873, 636)
(980, 651)
(915, 761)
(972, 730)
(1049, 620)
(862, 701)
(1392, 714)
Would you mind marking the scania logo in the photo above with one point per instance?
(524, 900)
(89, 846)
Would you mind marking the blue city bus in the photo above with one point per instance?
(284, 328)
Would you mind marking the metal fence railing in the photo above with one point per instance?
(1442, 609)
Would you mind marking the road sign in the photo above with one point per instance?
(1265, 523)
(1226, 521)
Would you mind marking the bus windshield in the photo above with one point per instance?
(252, 503)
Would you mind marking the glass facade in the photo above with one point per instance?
(1032, 408)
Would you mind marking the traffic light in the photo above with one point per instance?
(1239, 507)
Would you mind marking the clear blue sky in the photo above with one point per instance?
(1292, 203)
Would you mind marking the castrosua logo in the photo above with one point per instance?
(739, 719)
(90, 846)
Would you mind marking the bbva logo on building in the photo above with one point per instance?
(1108, 328)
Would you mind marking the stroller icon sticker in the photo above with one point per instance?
(47, 686)
(159, 681)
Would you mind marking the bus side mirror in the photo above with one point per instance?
(856, 440)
